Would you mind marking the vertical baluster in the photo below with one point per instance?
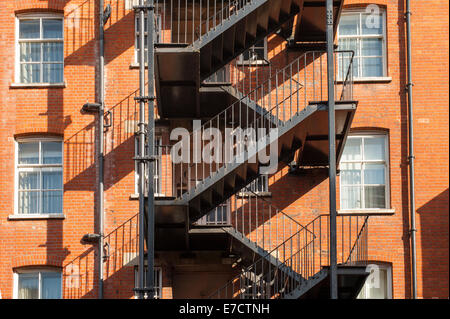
(193, 20)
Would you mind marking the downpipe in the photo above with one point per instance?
(411, 156)
(100, 153)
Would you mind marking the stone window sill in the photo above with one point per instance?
(250, 194)
(136, 196)
(35, 216)
(385, 79)
(367, 212)
(37, 85)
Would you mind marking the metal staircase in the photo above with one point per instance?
(290, 119)
(303, 259)
(198, 38)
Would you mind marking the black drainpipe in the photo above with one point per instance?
(411, 157)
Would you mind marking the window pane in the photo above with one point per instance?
(52, 202)
(51, 286)
(377, 285)
(53, 72)
(372, 24)
(351, 173)
(349, 24)
(374, 174)
(53, 51)
(52, 180)
(350, 197)
(28, 286)
(372, 47)
(29, 29)
(52, 28)
(52, 152)
(372, 67)
(30, 73)
(30, 52)
(352, 149)
(349, 44)
(28, 153)
(28, 180)
(375, 196)
(28, 202)
(374, 148)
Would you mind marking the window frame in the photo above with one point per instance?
(158, 142)
(158, 17)
(383, 36)
(158, 270)
(39, 271)
(17, 63)
(263, 61)
(37, 168)
(386, 162)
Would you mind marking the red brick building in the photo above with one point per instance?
(49, 156)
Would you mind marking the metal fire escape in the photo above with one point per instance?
(290, 111)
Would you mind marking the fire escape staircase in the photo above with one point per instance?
(221, 32)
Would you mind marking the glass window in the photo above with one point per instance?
(378, 284)
(364, 33)
(157, 280)
(39, 177)
(157, 35)
(364, 170)
(157, 168)
(40, 50)
(39, 285)
(256, 54)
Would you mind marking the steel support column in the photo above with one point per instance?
(141, 151)
(331, 149)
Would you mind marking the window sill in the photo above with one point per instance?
(255, 63)
(385, 79)
(367, 212)
(36, 216)
(37, 85)
(250, 194)
(136, 196)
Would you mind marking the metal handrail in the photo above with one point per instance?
(302, 262)
(280, 97)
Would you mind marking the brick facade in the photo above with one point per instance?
(55, 111)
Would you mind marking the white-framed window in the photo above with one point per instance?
(157, 272)
(257, 54)
(260, 185)
(39, 48)
(156, 36)
(157, 168)
(39, 176)
(364, 32)
(364, 178)
(378, 284)
(37, 284)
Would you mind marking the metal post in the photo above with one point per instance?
(100, 152)
(332, 150)
(151, 150)
(141, 151)
(412, 204)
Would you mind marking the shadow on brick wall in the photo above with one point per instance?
(434, 248)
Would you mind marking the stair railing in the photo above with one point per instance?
(253, 219)
(185, 21)
(285, 94)
(300, 258)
